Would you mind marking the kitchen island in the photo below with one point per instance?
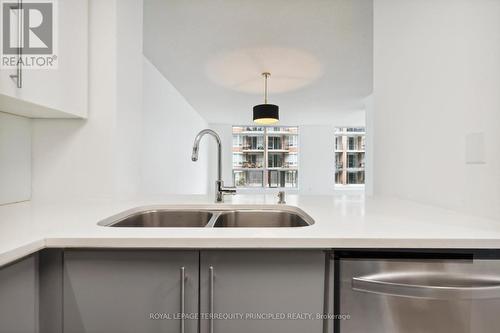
(66, 273)
(340, 221)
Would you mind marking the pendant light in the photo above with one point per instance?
(265, 114)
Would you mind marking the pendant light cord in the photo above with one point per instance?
(266, 75)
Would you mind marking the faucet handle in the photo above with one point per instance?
(281, 197)
(229, 189)
(221, 190)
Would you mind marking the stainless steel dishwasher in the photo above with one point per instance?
(418, 295)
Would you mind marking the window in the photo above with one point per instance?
(265, 157)
(349, 156)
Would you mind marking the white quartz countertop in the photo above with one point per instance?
(341, 221)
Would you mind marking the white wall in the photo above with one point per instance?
(73, 158)
(437, 79)
(170, 126)
(138, 137)
(316, 153)
(129, 96)
(82, 159)
(369, 146)
(316, 159)
(15, 158)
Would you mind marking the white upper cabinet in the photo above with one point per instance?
(60, 92)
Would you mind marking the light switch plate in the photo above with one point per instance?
(475, 148)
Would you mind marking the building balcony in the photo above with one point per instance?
(355, 169)
(260, 151)
(247, 167)
(278, 150)
(281, 134)
(291, 168)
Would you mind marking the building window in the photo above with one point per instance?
(265, 157)
(349, 156)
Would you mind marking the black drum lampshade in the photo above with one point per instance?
(266, 114)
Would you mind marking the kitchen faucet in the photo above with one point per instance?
(220, 189)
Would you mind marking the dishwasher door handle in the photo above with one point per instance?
(437, 286)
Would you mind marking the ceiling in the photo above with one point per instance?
(319, 54)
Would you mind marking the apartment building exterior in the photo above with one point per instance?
(265, 156)
(350, 156)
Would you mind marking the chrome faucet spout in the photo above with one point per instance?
(194, 156)
(220, 189)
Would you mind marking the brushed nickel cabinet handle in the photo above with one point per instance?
(18, 77)
(211, 300)
(183, 297)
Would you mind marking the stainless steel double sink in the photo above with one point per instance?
(210, 217)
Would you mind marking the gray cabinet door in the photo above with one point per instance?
(18, 297)
(262, 291)
(118, 291)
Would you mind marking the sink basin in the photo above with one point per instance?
(210, 217)
(259, 219)
(165, 219)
